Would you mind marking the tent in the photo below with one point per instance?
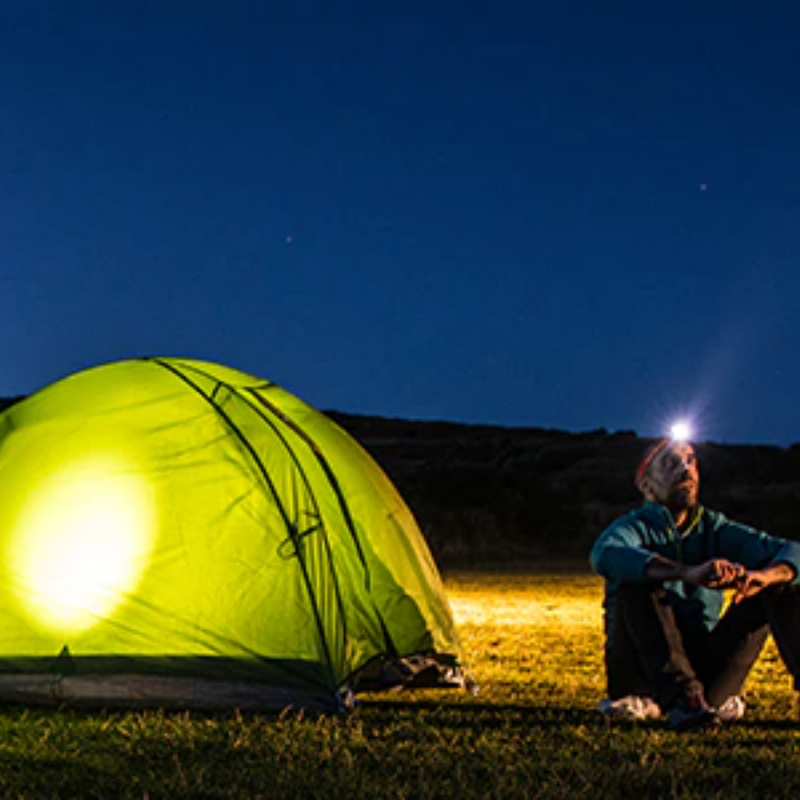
(176, 533)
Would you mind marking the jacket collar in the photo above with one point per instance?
(662, 517)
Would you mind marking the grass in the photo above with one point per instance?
(534, 646)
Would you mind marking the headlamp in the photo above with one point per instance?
(680, 431)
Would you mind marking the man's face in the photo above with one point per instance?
(673, 478)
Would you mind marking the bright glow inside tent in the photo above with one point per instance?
(81, 543)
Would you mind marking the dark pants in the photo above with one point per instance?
(654, 655)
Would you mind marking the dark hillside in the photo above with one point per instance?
(485, 494)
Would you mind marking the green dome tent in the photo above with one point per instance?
(177, 533)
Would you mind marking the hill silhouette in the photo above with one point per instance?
(501, 496)
(486, 495)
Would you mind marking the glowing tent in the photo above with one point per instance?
(178, 533)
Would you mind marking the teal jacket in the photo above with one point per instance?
(622, 551)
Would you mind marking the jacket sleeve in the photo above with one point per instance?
(756, 549)
(620, 553)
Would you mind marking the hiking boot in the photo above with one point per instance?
(692, 713)
(631, 707)
(731, 710)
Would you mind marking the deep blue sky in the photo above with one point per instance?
(563, 214)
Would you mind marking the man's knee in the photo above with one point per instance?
(784, 595)
(783, 610)
(637, 597)
(645, 606)
(640, 590)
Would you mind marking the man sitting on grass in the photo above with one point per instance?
(666, 564)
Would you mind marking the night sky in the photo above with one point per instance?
(574, 215)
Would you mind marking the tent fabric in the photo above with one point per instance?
(176, 532)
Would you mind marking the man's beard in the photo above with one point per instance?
(683, 497)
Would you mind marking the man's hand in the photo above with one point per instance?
(718, 573)
(755, 581)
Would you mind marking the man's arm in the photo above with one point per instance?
(620, 554)
(758, 550)
(755, 581)
(718, 573)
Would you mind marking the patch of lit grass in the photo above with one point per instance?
(533, 642)
(535, 638)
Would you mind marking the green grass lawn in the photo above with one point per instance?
(533, 643)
